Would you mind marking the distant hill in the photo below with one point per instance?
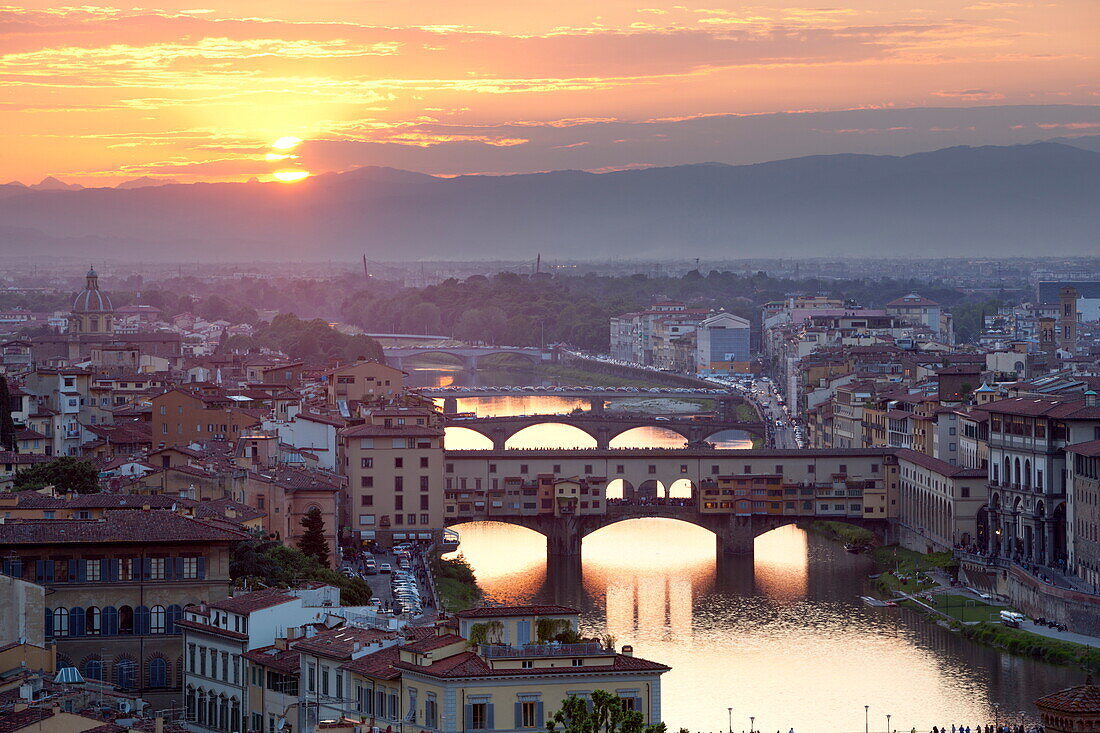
(1000, 201)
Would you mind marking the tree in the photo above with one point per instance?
(262, 562)
(7, 425)
(607, 715)
(65, 474)
(313, 541)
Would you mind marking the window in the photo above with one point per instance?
(529, 714)
(398, 483)
(366, 482)
(93, 620)
(366, 500)
(652, 468)
(158, 672)
(366, 519)
(578, 662)
(156, 568)
(366, 463)
(157, 620)
(479, 716)
(190, 567)
(61, 622)
(423, 461)
(423, 483)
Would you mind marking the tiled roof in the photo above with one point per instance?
(379, 664)
(340, 643)
(116, 527)
(469, 664)
(24, 718)
(500, 611)
(1081, 699)
(433, 642)
(943, 468)
(283, 660)
(254, 601)
(1045, 406)
(211, 629)
(381, 431)
(1088, 448)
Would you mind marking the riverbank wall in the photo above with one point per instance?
(1080, 612)
(668, 378)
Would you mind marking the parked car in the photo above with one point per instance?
(385, 568)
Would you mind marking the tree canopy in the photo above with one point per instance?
(312, 542)
(66, 474)
(607, 714)
(263, 562)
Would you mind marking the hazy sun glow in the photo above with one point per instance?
(290, 176)
(279, 156)
(287, 143)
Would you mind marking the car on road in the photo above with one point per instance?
(385, 568)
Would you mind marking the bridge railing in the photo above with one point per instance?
(504, 651)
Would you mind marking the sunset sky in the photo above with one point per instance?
(98, 94)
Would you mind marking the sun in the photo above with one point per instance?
(287, 143)
(290, 176)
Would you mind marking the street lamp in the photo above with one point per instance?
(866, 719)
(752, 723)
(730, 711)
(887, 722)
(996, 717)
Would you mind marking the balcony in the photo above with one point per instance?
(503, 651)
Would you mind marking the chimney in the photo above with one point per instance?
(628, 650)
(1090, 398)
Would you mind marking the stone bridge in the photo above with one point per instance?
(603, 427)
(470, 356)
(735, 533)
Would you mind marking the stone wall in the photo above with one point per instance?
(1080, 612)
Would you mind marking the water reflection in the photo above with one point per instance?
(781, 636)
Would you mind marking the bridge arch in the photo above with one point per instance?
(670, 437)
(458, 437)
(534, 436)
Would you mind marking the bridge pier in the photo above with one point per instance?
(450, 405)
(563, 538)
(603, 438)
(735, 536)
(499, 438)
(596, 405)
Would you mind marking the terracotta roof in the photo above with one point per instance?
(116, 527)
(1088, 448)
(211, 629)
(254, 601)
(943, 468)
(433, 642)
(283, 660)
(379, 664)
(376, 431)
(469, 664)
(1080, 699)
(24, 718)
(911, 299)
(499, 611)
(340, 643)
(1045, 406)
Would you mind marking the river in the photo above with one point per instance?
(781, 637)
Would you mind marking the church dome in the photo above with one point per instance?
(91, 299)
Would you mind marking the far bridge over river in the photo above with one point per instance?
(604, 427)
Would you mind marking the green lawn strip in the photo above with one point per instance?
(454, 595)
(964, 608)
(1025, 643)
(843, 532)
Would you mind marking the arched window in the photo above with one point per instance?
(158, 672)
(1008, 471)
(223, 713)
(1027, 473)
(93, 620)
(61, 622)
(235, 714)
(174, 614)
(93, 669)
(1017, 481)
(212, 712)
(125, 673)
(200, 707)
(141, 620)
(994, 473)
(110, 620)
(125, 620)
(157, 620)
(190, 698)
(76, 621)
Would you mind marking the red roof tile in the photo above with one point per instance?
(1080, 699)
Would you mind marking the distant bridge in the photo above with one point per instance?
(603, 427)
(735, 533)
(470, 356)
(581, 392)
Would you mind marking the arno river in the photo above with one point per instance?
(781, 637)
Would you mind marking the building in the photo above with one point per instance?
(91, 323)
(1083, 510)
(1028, 475)
(394, 466)
(722, 344)
(490, 669)
(364, 381)
(920, 311)
(940, 503)
(218, 636)
(185, 415)
(1072, 710)
(117, 588)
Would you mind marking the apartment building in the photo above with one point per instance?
(185, 415)
(1083, 510)
(118, 586)
(363, 381)
(394, 467)
(940, 504)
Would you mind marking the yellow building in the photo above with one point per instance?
(363, 381)
(451, 681)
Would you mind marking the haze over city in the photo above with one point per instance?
(379, 366)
